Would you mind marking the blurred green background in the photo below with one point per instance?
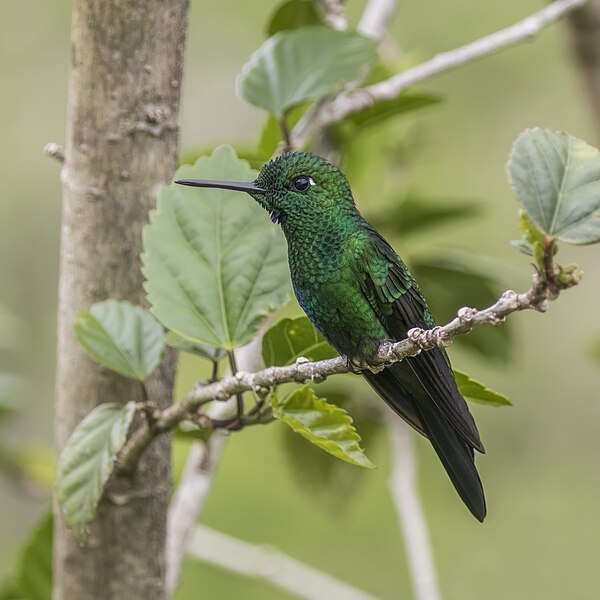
(541, 469)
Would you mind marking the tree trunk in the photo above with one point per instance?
(121, 147)
(584, 29)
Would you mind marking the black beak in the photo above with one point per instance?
(238, 186)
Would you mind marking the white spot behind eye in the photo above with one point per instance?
(311, 181)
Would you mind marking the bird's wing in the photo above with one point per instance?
(394, 295)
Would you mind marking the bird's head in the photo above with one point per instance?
(294, 188)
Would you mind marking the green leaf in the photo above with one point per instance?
(208, 352)
(452, 280)
(556, 177)
(479, 392)
(304, 64)
(87, 462)
(413, 215)
(379, 112)
(121, 337)
(289, 339)
(533, 240)
(34, 569)
(292, 15)
(214, 265)
(324, 425)
(329, 481)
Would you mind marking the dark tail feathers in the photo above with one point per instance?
(455, 454)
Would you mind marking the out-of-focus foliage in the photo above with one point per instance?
(362, 121)
(451, 281)
(9, 394)
(292, 15)
(34, 569)
(412, 215)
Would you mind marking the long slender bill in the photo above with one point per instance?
(238, 186)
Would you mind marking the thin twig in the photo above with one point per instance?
(269, 564)
(285, 134)
(239, 399)
(584, 29)
(54, 150)
(196, 478)
(537, 298)
(403, 488)
(348, 102)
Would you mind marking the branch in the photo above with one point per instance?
(333, 110)
(584, 29)
(261, 382)
(196, 479)
(403, 488)
(335, 13)
(188, 501)
(54, 150)
(375, 18)
(269, 564)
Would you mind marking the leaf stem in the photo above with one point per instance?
(285, 133)
(214, 376)
(239, 399)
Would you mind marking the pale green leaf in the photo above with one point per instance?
(324, 425)
(87, 462)
(329, 482)
(304, 64)
(289, 339)
(121, 337)
(214, 264)
(208, 352)
(556, 177)
(34, 568)
(478, 392)
(292, 15)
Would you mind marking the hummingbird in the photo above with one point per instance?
(358, 294)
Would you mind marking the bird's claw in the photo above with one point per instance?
(357, 366)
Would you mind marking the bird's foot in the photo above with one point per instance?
(358, 365)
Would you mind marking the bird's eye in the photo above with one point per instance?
(302, 183)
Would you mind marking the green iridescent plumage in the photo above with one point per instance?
(358, 293)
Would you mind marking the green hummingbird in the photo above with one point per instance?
(358, 293)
